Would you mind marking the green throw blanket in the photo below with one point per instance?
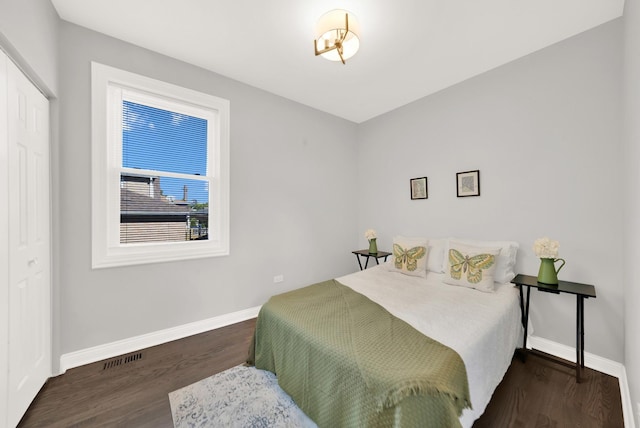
(347, 362)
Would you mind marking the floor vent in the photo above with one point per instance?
(122, 360)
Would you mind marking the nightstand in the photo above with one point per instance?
(367, 254)
(581, 291)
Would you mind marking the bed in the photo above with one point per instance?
(481, 328)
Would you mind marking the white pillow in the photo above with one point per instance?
(409, 256)
(505, 268)
(435, 258)
(471, 266)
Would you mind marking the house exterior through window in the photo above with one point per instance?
(147, 214)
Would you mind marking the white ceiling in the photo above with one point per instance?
(408, 48)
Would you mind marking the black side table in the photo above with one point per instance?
(582, 291)
(367, 254)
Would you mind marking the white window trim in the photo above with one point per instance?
(105, 186)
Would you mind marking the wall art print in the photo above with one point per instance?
(468, 183)
(419, 189)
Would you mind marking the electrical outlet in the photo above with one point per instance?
(278, 278)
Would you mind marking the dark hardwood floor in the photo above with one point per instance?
(132, 390)
(135, 393)
(544, 393)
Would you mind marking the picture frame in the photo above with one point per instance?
(419, 188)
(468, 183)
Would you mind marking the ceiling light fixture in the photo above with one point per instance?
(337, 36)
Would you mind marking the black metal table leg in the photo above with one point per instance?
(359, 264)
(526, 318)
(524, 311)
(582, 331)
(579, 337)
(521, 306)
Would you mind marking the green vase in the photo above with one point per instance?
(548, 274)
(373, 247)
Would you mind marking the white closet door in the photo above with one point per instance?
(4, 246)
(29, 246)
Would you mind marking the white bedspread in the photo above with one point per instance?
(484, 328)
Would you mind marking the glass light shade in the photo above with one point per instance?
(330, 27)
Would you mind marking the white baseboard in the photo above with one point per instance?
(594, 362)
(132, 344)
(627, 405)
(568, 353)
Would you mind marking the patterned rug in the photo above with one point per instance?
(239, 397)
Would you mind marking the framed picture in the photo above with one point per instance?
(468, 183)
(419, 188)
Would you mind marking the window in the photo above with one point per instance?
(160, 171)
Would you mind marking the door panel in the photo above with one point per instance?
(29, 358)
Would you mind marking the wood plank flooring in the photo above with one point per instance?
(543, 393)
(134, 392)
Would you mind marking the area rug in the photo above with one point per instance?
(239, 397)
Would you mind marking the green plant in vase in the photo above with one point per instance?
(371, 236)
(547, 250)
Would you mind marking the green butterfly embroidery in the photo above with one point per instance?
(408, 258)
(472, 266)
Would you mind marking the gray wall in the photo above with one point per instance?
(632, 221)
(293, 179)
(545, 133)
(29, 34)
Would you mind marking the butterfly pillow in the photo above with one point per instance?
(506, 260)
(410, 256)
(470, 266)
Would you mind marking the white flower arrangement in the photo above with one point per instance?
(370, 234)
(546, 248)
